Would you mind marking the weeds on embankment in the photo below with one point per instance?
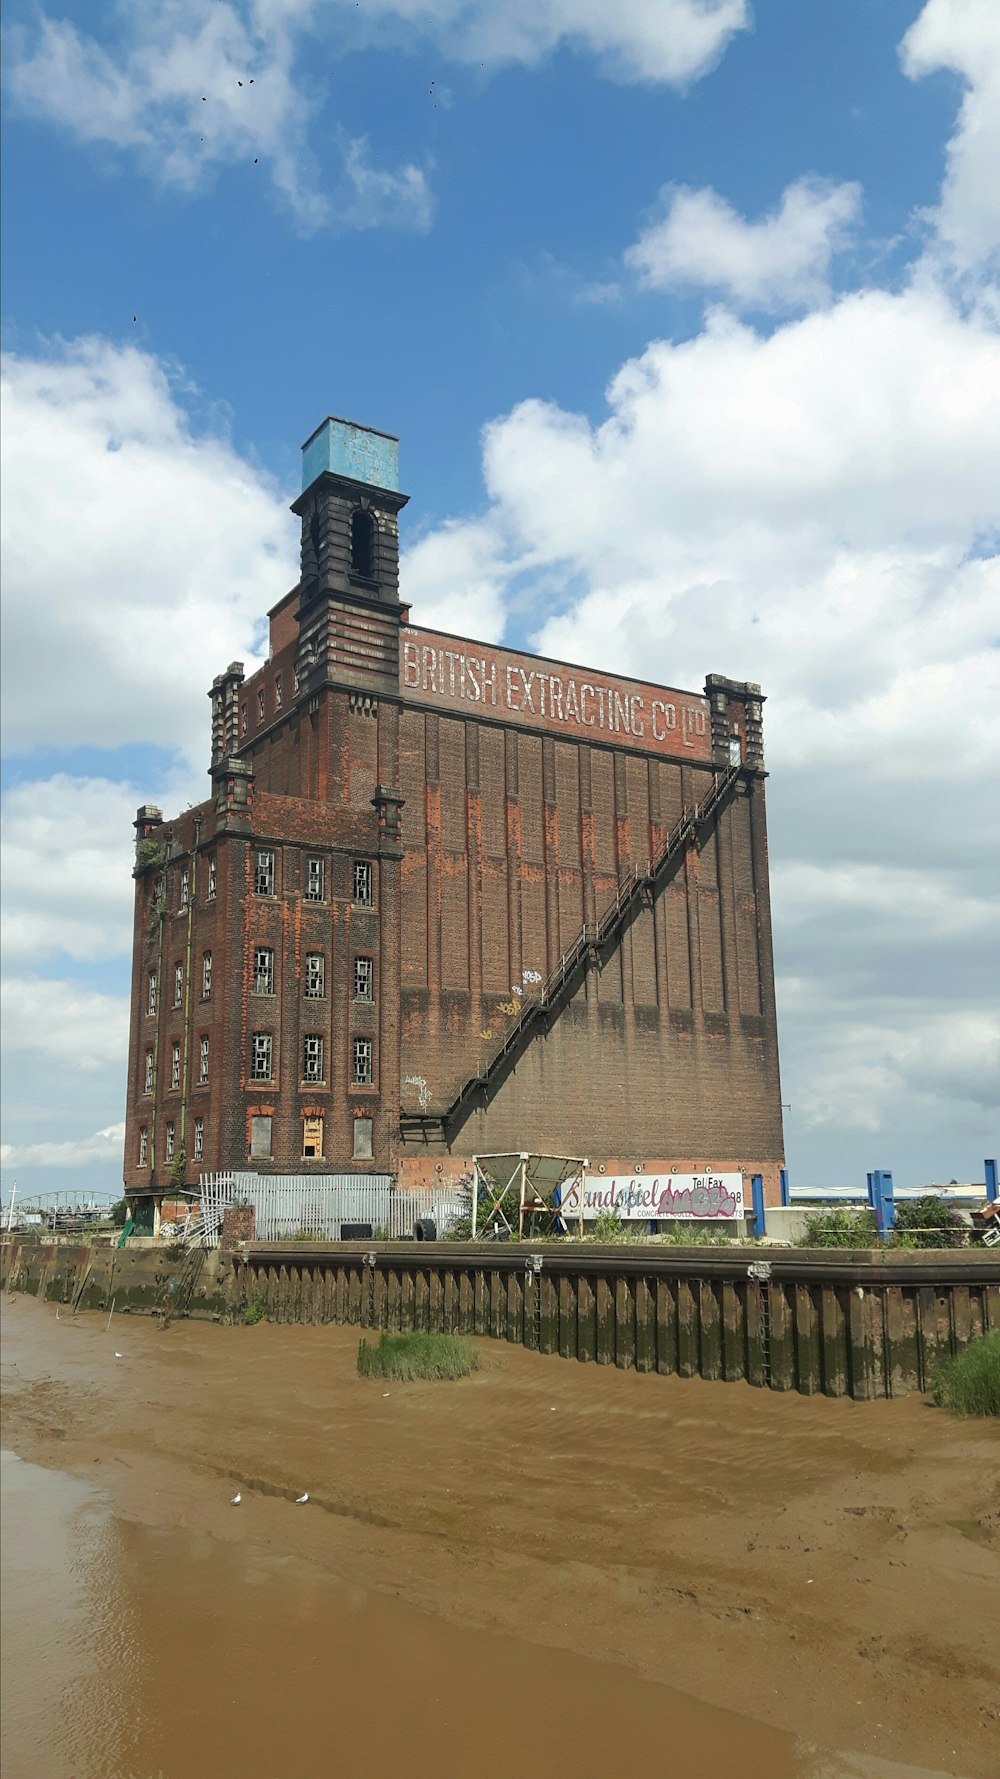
(406, 1357)
(969, 1384)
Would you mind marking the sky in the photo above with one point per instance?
(687, 314)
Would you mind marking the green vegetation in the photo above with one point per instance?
(927, 1222)
(253, 1309)
(149, 853)
(840, 1229)
(405, 1357)
(969, 1384)
(119, 1213)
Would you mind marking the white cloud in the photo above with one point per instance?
(780, 261)
(69, 1028)
(184, 88)
(191, 87)
(672, 41)
(897, 1066)
(68, 857)
(455, 576)
(373, 197)
(963, 36)
(139, 554)
(103, 1148)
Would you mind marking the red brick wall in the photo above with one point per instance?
(516, 830)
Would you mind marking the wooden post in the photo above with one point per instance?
(645, 1327)
(624, 1324)
(605, 1322)
(710, 1319)
(808, 1368)
(567, 1317)
(586, 1319)
(733, 1330)
(687, 1330)
(666, 1327)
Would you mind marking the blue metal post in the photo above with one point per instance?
(882, 1199)
(991, 1181)
(757, 1198)
(786, 1192)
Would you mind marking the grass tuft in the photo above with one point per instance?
(409, 1356)
(969, 1384)
(254, 1309)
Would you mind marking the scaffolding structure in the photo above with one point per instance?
(516, 1187)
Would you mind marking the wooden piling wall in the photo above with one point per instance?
(862, 1324)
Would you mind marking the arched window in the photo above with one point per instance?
(363, 544)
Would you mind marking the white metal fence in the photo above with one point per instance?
(289, 1205)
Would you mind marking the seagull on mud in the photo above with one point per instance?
(300, 1500)
(237, 1498)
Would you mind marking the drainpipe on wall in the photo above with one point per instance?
(160, 997)
(186, 1059)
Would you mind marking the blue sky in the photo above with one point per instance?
(687, 318)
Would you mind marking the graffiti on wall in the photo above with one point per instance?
(633, 1197)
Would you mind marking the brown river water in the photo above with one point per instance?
(544, 1569)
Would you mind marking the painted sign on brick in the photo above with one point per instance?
(644, 1198)
(472, 679)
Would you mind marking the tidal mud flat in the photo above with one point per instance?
(540, 1568)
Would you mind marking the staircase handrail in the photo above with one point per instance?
(591, 935)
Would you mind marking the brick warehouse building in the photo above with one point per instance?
(447, 898)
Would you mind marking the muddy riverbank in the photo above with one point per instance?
(629, 1566)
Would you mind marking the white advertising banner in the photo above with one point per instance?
(647, 1197)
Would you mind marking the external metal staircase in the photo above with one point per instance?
(592, 940)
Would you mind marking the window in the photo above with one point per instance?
(277, 691)
(312, 1139)
(363, 883)
(362, 544)
(243, 719)
(206, 976)
(211, 878)
(363, 978)
(295, 679)
(261, 706)
(168, 1145)
(148, 1079)
(175, 1065)
(260, 1061)
(315, 880)
(362, 1060)
(263, 875)
(151, 995)
(199, 1139)
(263, 971)
(315, 976)
(178, 984)
(185, 887)
(312, 1058)
(203, 1061)
(260, 1137)
(143, 1148)
(362, 1139)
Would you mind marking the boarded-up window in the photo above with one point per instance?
(362, 1139)
(260, 1136)
(312, 1138)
